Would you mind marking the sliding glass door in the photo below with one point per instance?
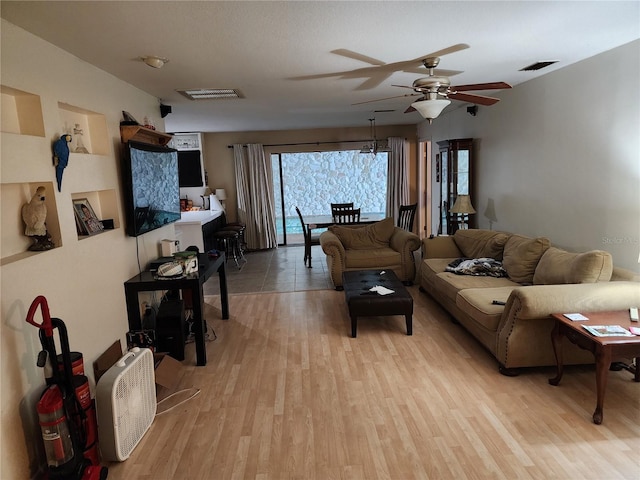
(311, 181)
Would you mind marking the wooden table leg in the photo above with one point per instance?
(354, 325)
(603, 362)
(556, 341)
(409, 324)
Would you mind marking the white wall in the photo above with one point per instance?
(82, 280)
(560, 155)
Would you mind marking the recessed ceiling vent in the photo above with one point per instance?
(211, 93)
(538, 66)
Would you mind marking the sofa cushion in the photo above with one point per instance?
(476, 302)
(373, 258)
(375, 235)
(450, 284)
(521, 256)
(559, 266)
(478, 243)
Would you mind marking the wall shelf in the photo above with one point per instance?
(15, 244)
(139, 133)
(104, 204)
(21, 112)
(94, 138)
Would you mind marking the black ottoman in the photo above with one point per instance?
(362, 302)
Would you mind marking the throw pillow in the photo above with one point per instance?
(559, 266)
(521, 256)
(376, 235)
(478, 243)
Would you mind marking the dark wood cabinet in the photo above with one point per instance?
(456, 178)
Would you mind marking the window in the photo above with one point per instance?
(311, 181)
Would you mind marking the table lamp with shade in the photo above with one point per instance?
(221, 195)
(462, 207)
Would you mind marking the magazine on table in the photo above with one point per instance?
(607, 331)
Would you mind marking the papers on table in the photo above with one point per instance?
(607, 330)
(380, 290)
(575, 316)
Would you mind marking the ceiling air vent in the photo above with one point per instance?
(211, 93)
(538, 66)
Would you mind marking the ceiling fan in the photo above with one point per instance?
(379, 71)
(436, 92)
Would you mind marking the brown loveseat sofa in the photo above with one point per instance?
(379, 245)
(541, 280)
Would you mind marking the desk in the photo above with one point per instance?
(146, 282)
(324, 221)
(604, 348)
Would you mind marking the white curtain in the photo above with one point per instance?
(397, 176)
(254, 187)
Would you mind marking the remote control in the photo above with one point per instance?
(498, 302)
(633, 314)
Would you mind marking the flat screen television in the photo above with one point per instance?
(151, 187)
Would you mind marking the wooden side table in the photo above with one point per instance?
(604, 348)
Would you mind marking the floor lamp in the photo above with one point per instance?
(462, 207)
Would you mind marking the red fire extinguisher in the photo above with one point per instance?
(62, 409)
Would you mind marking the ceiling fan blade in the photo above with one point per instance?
(401, 66)
(315, 77)
(403, 86)
(448, 50)
(387, 98)
(481, 86)
(472, 98)
(357, 56)
(373, 81)
(438, 71)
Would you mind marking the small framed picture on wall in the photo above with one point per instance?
(86, 219)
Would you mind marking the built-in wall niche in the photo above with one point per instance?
(21, 112)
(88, 129)
(104, 204)
(14, 244)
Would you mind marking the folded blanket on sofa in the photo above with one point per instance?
(477, 266)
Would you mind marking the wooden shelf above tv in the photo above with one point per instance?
(139, 133)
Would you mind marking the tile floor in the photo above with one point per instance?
(277, 270)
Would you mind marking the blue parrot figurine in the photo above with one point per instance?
(61, 156)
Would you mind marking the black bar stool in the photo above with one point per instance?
(228, 240)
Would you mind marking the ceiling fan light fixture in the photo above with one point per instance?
(154, 62)
(430, 109)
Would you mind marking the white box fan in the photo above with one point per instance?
(125, 404)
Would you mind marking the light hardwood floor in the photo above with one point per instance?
(287, 394)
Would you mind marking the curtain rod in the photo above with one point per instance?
(308, 143)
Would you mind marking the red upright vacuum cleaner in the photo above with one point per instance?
(67, 428)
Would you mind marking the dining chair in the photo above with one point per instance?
(310, 239)
(406, 216)
(338, 207)
(347, 216)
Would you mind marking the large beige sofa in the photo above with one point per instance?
(364, 247)
(541, 280)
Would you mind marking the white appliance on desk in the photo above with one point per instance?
(189, 227)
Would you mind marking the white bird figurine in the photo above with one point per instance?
(34, 215)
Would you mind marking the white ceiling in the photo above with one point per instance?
(257, 47)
